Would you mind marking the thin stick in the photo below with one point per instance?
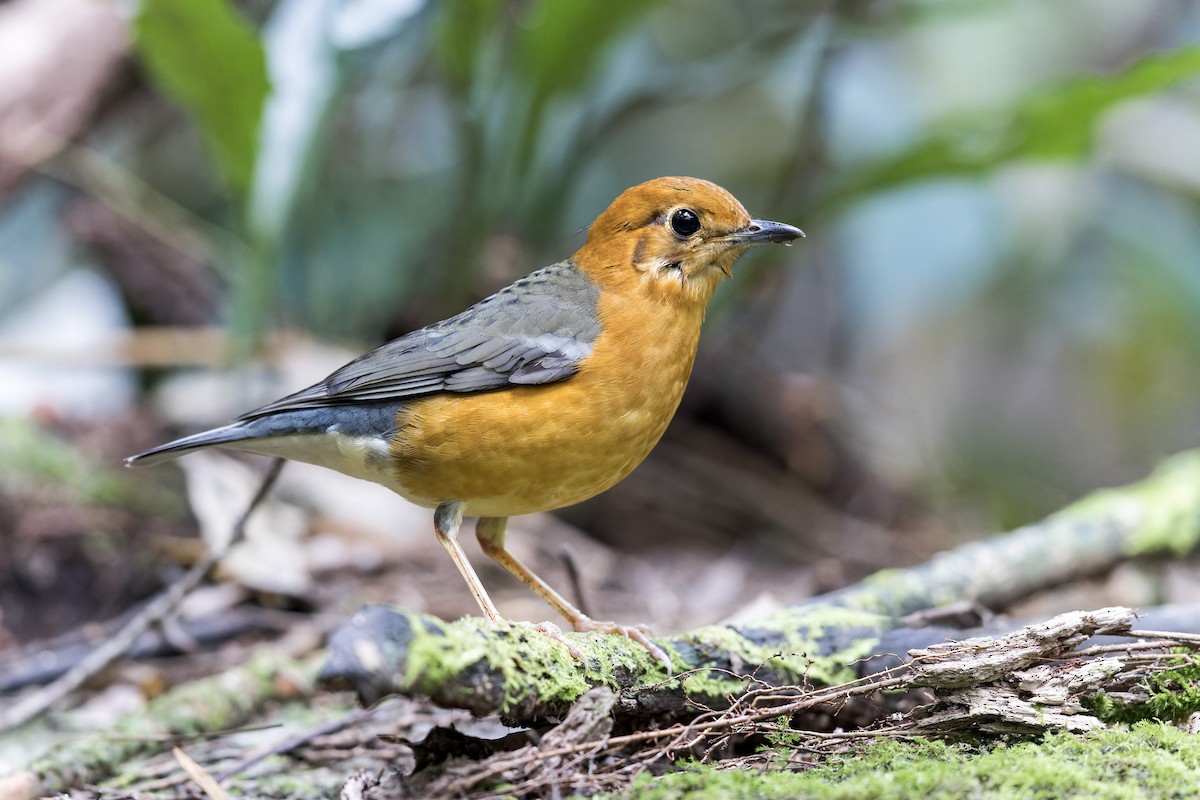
(210, 785)
(153, 612)
(1188, 638)
(572, 569)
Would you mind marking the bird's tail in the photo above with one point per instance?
(237, 432)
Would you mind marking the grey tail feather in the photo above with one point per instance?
(238, 431)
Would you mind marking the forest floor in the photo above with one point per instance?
(221, 699)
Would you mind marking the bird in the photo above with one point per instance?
(538, 397)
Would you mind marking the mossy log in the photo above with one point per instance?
(523, 674)
(1160, 514)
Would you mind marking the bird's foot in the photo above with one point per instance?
(555, 633)
(638, 633)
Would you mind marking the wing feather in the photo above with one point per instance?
(535, 331)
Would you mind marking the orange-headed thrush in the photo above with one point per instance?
(543, 395)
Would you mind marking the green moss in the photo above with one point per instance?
(803, 629)
(1166, 506)
(439, 650)
(1152, 760)
(1174, 696)
(535, 665)
(529, 663)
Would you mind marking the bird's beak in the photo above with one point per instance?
(761, 230)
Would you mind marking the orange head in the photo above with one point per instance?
(682, 233)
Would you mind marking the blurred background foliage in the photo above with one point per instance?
(1002, 277)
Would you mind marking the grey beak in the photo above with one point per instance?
(761, 230)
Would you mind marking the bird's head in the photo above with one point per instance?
(681, 233)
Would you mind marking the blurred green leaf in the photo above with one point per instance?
(461, 32)
(1048, 124)
(209, 59)
(33, 461)
(559, 46)
(1158, 335)
(563, 40)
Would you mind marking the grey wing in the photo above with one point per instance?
(535, 331)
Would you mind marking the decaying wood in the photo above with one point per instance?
(970, 662)
(525, 675)
(1013, 709)
(1002, 685)
(581, 754)
(734, 681)
(517, 672)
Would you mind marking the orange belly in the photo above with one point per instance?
(536, 448)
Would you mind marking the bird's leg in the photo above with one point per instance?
(446, 521)
(490, 532)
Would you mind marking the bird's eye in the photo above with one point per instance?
(685, 222)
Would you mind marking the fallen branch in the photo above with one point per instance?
(523, 674)
(1029, 681)
(1160, 514)
(526, 676)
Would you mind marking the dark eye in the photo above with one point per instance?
(685, 222)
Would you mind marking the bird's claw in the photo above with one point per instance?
(555, 633)
(638, 633)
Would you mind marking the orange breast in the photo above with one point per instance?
(535, 448)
